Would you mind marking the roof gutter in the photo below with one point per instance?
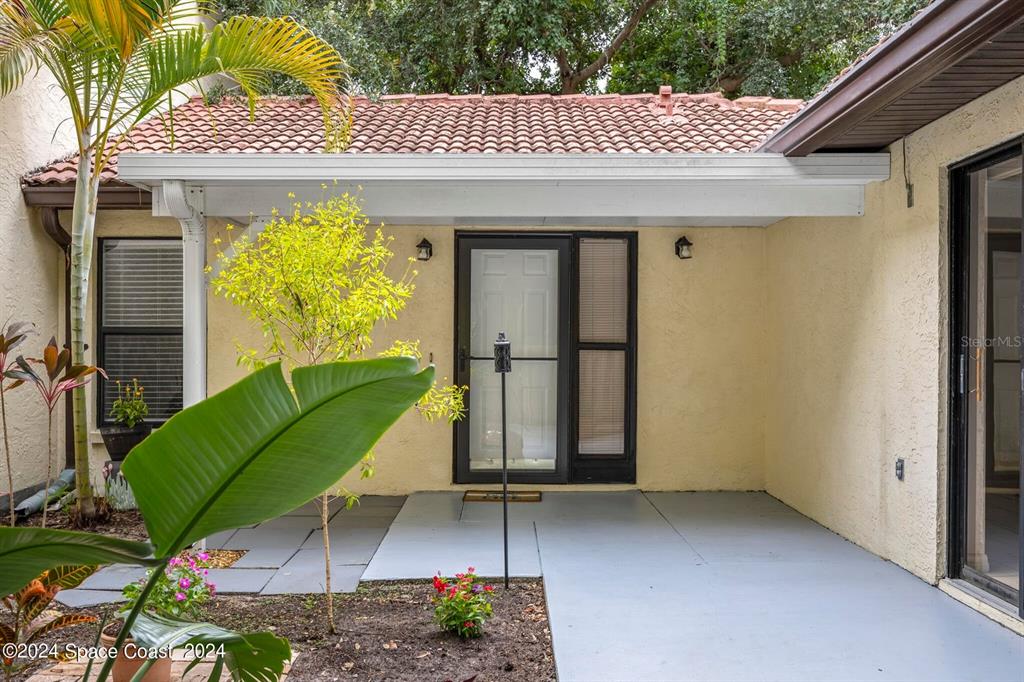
(150, 170)
(937, 38)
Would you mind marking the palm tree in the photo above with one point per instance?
(119, 61)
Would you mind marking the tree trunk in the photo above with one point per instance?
(83, 219)
(7, 451)
(324, 518)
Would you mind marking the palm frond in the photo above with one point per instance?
(247, 49)
(21, 40)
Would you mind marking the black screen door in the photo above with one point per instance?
(520, 285)
(568, 303)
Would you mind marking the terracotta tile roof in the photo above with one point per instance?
(525, 124)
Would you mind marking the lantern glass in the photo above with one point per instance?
(683, 248)
(424, 250)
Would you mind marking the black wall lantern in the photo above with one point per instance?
(683, 249)
(424, 250)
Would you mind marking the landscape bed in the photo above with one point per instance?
(385, 631)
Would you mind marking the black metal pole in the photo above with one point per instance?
(504, 476)
(503, 365)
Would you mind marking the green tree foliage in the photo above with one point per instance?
(465, 46)
(783, 48)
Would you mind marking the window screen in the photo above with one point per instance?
(140, 321)
(604, 290)
(602, 349)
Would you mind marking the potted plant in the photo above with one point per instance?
(178, 592)
(129, 412)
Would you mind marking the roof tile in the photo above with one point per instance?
(440, 123)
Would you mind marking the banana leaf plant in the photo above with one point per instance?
(248, 454)
(51, 386)
(14, 334)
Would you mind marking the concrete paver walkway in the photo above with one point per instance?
(656, 586)
(284, 555)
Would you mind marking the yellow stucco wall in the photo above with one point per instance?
(857, 325)
(700, 361)
(31, 285)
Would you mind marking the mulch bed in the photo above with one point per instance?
(122, 524)
(385, 631)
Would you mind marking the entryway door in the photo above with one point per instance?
(987, 321)
(567, 304)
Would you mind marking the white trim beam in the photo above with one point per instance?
(186, 203)
(233, 169)
(518, 189)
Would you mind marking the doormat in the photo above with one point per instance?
(495, 496)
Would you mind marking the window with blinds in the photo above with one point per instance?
(140, 313)
(603, 300)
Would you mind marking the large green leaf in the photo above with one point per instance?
(259, 656)
(250, 453)
(27, 552)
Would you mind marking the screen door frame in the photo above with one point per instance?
(465, 244)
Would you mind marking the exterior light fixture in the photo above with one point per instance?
(683, 249)
(424, 250)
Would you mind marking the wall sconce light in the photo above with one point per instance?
(424, 250)
(683, 249)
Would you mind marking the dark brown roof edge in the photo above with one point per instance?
(63, 196)
(938, 37)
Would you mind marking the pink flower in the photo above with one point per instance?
(184, 583)
(470, 570)
(180, 596)
(175, 562)
(203, 556)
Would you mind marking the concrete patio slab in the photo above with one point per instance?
(240, 579)
(349, 545)
(218, 540)
(79, 597)
(113, 577)
(731, 527)
(265, 557)
(304, 573)
(417, 551)
(746, 613)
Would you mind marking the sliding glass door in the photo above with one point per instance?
(987, 318)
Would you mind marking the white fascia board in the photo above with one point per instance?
(525, 189)
(262, 169)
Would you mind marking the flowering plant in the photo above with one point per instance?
(462, 603)
(129, 408)
(181, 590)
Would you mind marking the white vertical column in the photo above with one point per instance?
(186, 204)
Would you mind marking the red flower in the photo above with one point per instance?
(471, 570)
(439, 583)
(468, 624)
(488, 588)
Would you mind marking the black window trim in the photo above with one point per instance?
(102, 331)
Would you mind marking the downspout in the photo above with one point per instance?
(51, 225)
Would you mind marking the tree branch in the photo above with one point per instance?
(571, 81)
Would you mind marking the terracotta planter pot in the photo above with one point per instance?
(127, 664)
(120, 440)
